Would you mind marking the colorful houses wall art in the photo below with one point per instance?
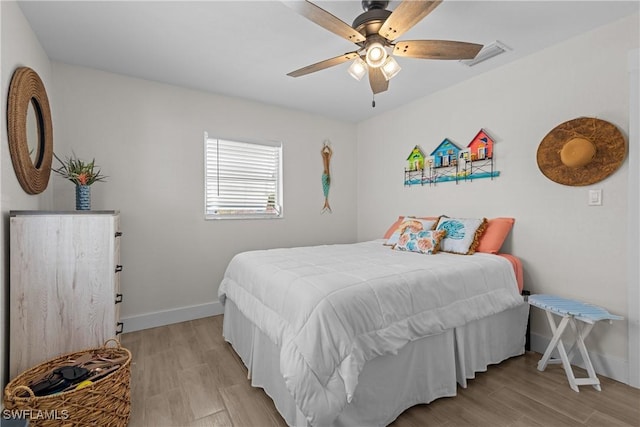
(449, 162)
(416, 159)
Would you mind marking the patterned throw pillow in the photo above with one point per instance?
(393, 227)
(462, 234)
(413, 225)
(425, 242)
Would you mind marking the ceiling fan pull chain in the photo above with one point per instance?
(373, 101)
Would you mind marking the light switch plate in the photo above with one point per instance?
(595, 197)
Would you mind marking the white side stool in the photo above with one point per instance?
(570, 311)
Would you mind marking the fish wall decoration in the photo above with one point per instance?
(326, 175)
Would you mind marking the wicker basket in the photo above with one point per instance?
(107, 402)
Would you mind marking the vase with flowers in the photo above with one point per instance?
(83, 175)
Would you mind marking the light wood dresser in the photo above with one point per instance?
(64, 284)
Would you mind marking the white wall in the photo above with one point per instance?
(568, 248)
(19, 47)
(148, 138)
(633, 254)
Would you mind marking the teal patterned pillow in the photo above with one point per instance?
(463, 234)
(425, 242)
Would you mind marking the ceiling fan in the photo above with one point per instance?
(375, 32)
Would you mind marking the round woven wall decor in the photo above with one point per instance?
(606, 151)
(26, 89)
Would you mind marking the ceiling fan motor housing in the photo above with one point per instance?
(374, 4)
(369, 22)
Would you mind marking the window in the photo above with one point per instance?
(242, 179)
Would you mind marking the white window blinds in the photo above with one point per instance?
(242, 180)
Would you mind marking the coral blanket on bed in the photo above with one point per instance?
(331, 308)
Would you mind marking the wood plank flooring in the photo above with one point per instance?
(186, 375)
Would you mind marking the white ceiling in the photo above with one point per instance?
(246, 48)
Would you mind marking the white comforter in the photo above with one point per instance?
(332, 308)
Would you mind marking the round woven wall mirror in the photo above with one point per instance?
(29, 130)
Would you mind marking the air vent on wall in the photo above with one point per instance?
(489, 51)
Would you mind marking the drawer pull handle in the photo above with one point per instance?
(118, 298)
(118, 268)
(119, 328)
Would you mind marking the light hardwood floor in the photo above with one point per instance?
(187, 375)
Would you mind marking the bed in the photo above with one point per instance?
(354, 334)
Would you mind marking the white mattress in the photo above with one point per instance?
(331, 309)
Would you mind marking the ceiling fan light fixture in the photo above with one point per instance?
(376, 55)
(358, 68)
(390, 68)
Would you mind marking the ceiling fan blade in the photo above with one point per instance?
(406, 15)
(323, 64)
(377, 81)
(436, 49)
(325, 20)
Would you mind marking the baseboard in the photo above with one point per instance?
(608, 366)
(167, 317)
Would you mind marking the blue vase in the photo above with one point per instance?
(83, 198)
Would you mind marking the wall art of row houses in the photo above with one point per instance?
(449, 162)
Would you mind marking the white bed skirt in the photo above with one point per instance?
(421, 372)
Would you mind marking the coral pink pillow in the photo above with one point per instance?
(495, 234)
